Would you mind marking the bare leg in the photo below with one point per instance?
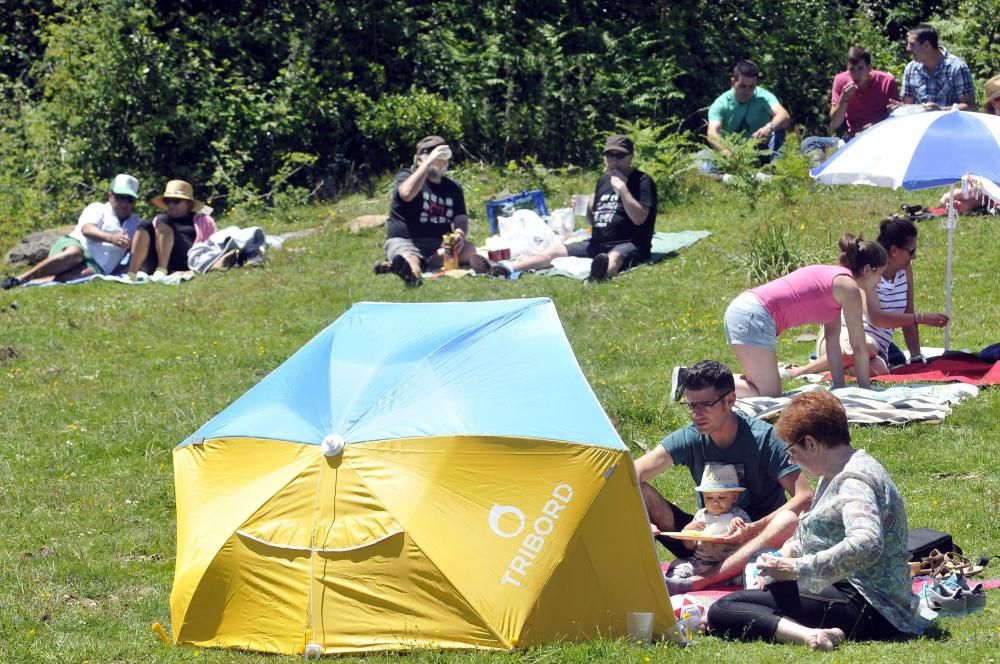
(540, 260)
(468, 251)
(164, 245)
(66, 259)
(660, 514)
(820, 364)
(139, 249)
(414, 261)
(790, 631)
(775, 533)
(614, 263)
(760, 368)
(81, 270)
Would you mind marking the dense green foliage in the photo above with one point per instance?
(266, 103)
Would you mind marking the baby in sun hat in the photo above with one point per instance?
(720, 489)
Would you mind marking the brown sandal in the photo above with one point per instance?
(929, 565)
(956, 563)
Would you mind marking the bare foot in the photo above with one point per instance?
(826, 639)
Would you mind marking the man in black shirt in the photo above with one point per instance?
(621, 214)
(425, 206)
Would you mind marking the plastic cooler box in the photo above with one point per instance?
(534, 200)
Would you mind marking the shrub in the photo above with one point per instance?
(395, 122)
(740, 160)
(664, 153)
(774, 252)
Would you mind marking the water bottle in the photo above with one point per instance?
(450, 255)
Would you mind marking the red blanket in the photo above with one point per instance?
(958, 367)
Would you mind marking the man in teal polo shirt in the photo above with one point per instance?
(748, 110)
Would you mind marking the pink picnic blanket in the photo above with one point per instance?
(705, 598)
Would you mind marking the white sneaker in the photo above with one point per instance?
(677, 377)
(975, 596)
(941, 599)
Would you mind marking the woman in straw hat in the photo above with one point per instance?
(161, 246)
(844, 573)
(991, 90)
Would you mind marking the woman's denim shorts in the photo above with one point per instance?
(748, 323)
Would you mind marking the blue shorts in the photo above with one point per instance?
(748, 323)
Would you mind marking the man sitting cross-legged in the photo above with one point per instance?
(718, 435)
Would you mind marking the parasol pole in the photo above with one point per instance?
(950, 225)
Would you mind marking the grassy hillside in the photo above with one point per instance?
(108, 378)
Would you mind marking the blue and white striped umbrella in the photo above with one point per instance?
(918, 151)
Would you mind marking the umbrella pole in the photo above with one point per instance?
(952, 221)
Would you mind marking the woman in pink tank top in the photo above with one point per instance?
(809, 295)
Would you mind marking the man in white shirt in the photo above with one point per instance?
(99, 242)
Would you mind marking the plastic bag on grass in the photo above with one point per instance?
(526, 233)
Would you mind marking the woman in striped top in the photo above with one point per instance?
(888, 305)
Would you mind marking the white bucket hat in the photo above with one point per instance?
(719, 477)
(124, 184)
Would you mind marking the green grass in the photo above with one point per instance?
(108, 379)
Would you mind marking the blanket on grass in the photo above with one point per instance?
(950, 367)
(896, 405)
(168, 280)
(664, 245)
(705, 598)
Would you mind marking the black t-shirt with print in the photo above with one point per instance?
(430, 214)
(612, 225)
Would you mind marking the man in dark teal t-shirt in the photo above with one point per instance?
(718, 435)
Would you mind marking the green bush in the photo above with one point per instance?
(238, 96)
(664, 153)
(394, 123)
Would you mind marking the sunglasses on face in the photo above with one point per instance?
(124, 199)
(616, 155)
(174, 201)
(912, 252)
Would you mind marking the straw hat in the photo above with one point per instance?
(178, 189)
(719, 477)
(992, 88)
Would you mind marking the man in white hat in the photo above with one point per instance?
(99, 242)
(719, 435)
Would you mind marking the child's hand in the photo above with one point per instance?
(737, 524)
(696, 525)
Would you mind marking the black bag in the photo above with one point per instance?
(921, 541)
